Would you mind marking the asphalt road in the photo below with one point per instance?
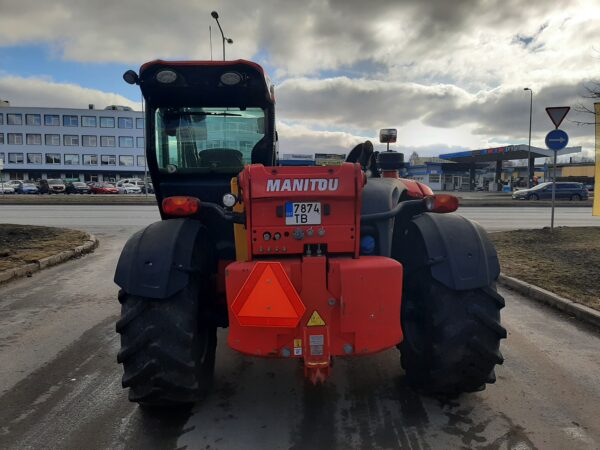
(99, 217)
(60, 384)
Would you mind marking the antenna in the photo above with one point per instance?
(210, 38)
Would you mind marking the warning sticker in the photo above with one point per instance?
(316, 350)
(315, 320)
(316, 339)
(297, 347)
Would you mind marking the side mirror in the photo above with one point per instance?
(388, 135)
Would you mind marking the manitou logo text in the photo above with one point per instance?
(303, 185)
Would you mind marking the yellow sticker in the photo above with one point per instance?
(297, 343)
(315, 320)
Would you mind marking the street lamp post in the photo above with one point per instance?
(215, 16)
(529, 176)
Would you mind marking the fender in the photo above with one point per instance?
(459, 252)
(157, 261)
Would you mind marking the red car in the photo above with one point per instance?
(104, 188)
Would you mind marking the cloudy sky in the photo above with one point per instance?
(448, 74)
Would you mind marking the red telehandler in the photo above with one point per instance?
(307, 263)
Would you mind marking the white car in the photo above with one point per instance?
(6, 189)
(129, 188)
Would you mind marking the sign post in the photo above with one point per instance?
(556, 140)
(596, 208)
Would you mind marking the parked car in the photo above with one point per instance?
(5, 188)
(150, 188)
(77, 187)
(52, 186)
(14, 184)
(104, 188)
(27, 188)
(543, 191)
(129, 188)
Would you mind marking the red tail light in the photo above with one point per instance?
(441, 203)
(181, 206)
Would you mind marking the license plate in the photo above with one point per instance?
(303, 213)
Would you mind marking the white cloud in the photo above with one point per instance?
(44, 92)
(445, 73)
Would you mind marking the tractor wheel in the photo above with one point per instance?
(167, 352)
(451, 338)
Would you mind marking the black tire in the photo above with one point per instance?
(533, 197)
(576, 197)
(451, 338)
(167, 350)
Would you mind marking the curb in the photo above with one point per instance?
(43, 263)
(582, 312)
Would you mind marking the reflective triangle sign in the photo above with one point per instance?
(268, 299)
(557, 114)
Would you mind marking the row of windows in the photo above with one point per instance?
(72, 140)
(53, 120)
(74, 159)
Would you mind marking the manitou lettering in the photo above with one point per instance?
(303, 185)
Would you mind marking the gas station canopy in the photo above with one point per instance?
(505, 153)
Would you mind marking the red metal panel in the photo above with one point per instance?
(266, 190)
(357, 299)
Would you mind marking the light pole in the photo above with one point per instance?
(215, 16)
(529, 176)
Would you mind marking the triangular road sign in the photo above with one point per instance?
(557, 114)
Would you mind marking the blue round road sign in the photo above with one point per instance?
(557, 140)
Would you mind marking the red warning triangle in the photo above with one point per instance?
(557, 114)
(268, 298)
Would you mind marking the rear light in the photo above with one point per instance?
(181, 206)
(441, 203)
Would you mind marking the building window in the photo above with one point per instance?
(52, 158)
(141, 161)
(14, 119)
(89, 141)
(88, 121)
(70, 121)
(71, 159)
(125, 141)
(107, 122)
(34, 158)
(33, 139)
(90, 160)
(434, 178)
(70, 140)
(1, 119)
(33, 119)
(125, 160)
(139, 123)
(107, 141)
(15, 138)
(52, 139)
(1, 138)
(15, 158)
(51, 120)
(108, 160)
(125, 122)
(140, 142)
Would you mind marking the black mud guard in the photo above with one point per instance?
(157, 261)
(458, 250)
